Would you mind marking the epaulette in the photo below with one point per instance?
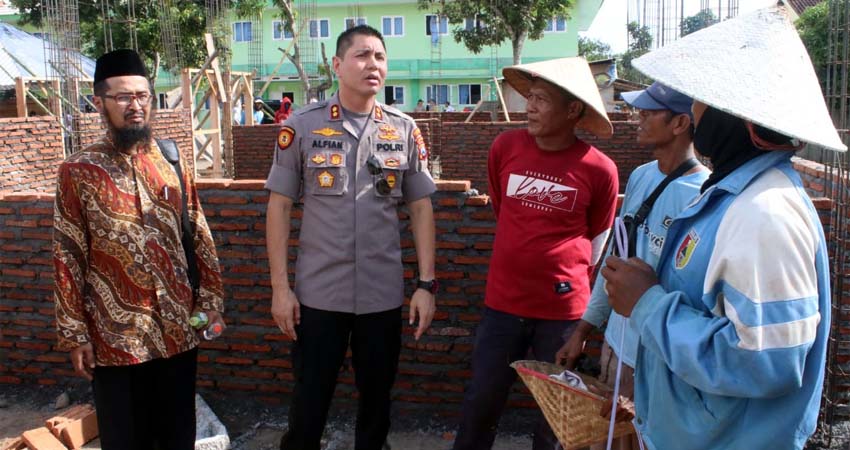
(310, 107)
(395, 111)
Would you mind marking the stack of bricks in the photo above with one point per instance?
(71, 429)
(30, 151)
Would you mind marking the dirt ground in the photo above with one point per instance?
(253, 425)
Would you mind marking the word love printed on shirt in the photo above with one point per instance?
(542, 191)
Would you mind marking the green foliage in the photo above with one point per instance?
(593, 49)
(247, 9)
(640, 42)
(813, 26)
(501, 20)
(698, 21)
(187, 14)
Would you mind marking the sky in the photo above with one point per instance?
(610, 24)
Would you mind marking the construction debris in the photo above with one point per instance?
(71, 429)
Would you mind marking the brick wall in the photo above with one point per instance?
(30, 150)
(253, 150)
(253, 356)
(461, 147)
(167, 124)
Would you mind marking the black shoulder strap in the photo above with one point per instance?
(170, 152)
(642, 212)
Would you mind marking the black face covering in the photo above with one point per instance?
(724, 139)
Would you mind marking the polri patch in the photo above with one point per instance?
(391, 179)
(326, 179)
(285, 137)
(336, 159)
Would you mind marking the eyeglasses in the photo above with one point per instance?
(126, 99)
(375, 169)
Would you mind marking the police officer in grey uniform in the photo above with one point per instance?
(354, 161)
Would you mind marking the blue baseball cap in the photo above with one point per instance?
(657, 96)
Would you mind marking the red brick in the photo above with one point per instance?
(232, 360)
(42, 439)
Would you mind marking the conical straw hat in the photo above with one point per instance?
(574, 76)
(754, 67)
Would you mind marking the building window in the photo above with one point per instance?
(320, 28)
(439, 93)
(351, 22)
(473, 23)
(469, 94)
(279, 32)
(394, 95)
(556, 25)
(242, 31)
(435, 26)
(392, 26)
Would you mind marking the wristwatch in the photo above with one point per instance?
(430, 286)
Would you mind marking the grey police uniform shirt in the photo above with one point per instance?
(349, 255)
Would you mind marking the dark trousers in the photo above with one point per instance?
(501, 339)
(149, 405)
(323, 338)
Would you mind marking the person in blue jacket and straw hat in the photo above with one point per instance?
(733, 328)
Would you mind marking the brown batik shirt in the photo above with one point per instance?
(120, 269)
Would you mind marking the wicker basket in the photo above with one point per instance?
(572, 413)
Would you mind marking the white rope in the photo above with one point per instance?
(621, 240)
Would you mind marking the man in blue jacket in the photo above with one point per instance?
(733, 331)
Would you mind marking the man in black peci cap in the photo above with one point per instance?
(125, 285)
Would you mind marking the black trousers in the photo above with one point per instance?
(323, 338)
(147, 406)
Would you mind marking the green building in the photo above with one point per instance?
(425, 62)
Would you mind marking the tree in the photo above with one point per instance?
(593, 49)
(640, 42)
(188, 15)
(499, 20)
(289, 22)
(698, 21)
(813, 26)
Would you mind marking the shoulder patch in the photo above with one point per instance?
(420, 144)
(285, 137)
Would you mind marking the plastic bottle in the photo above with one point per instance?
(213, 331)
(198, 320)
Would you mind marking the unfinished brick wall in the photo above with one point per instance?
(31, 148)
(253, 356)
(167, 124)
(30, 151)
(253, 150)
(462, 148)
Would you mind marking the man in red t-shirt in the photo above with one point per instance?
(555, 199)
